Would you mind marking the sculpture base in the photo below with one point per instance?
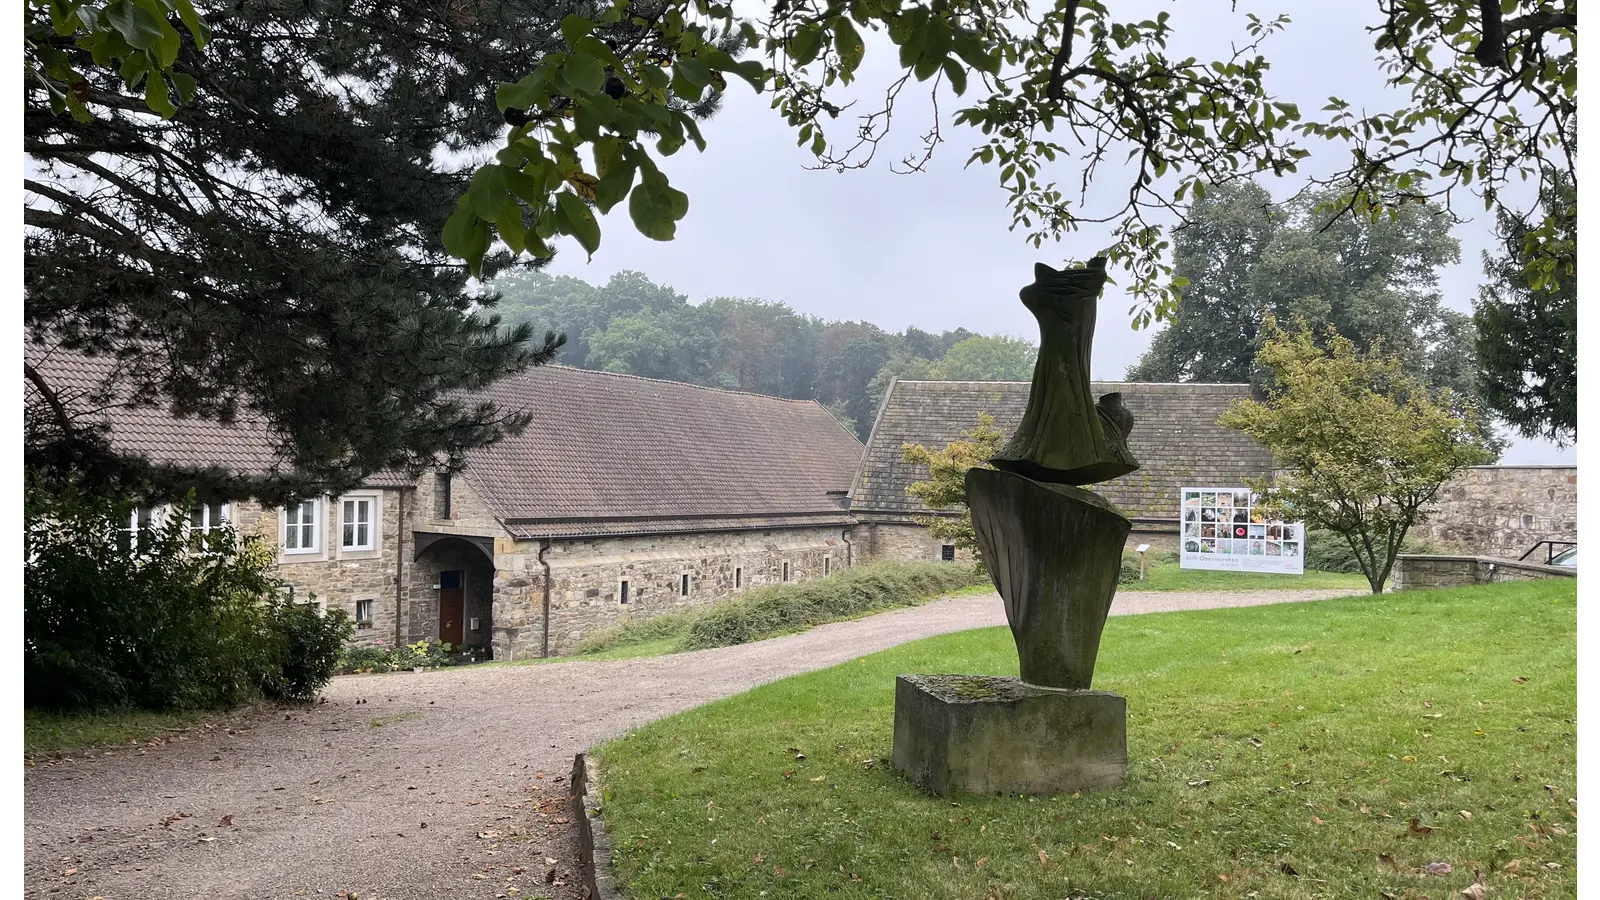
(980, 734)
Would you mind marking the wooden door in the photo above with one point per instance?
(452, 606)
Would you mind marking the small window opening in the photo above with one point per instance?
(947, 552)
(738, 576)
(827, 565)
(364, 613)
(450, 579)
(684, 584)
(622, 592)
(441, 496)
(785, 571)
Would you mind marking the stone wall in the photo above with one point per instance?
(586, 575)
(337, 578)
(1502, 511)
(904, 541)
(1420, 572)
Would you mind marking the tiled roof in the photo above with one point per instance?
(604, 453)
(1175, 437)
(646, 455)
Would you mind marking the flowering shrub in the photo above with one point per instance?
(384, 658)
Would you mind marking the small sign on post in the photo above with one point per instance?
(1140, 550)
(1225, 529)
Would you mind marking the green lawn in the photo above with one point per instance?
(53, 733)
(1278, 751)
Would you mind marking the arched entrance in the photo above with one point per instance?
(452, 591)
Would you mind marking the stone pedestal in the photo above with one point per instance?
(981, 734)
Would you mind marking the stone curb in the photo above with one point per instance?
(594, 845)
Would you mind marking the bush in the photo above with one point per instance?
(666, 625)
(1327, 551)
(312, 644)
(153, 623)
(418, 655)
(776, 609)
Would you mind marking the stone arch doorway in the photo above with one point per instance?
(452, 591)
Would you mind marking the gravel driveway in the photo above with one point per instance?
(443, 784)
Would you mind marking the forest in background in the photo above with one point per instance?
(634, 326)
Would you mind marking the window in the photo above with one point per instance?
(450, 579)
(785, 571)
(622, 591)
(204, 519)
(683, 584)
(300, 527)
(947, 552)
(738, 576)
(827, 564)
(356, 527)
(140, 522)
(441, 496)
(364, 613)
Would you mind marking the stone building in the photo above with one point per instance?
(1175, 437)
(624, 498)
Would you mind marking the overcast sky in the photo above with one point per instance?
(932, 249)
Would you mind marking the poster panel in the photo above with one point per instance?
(1222, 529)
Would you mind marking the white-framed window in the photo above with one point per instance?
(300, 527)
(364, 610)
(683, 584)
(358, 522)
(140, 523)
(205, 519)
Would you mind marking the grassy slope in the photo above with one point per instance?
(51, 732)
(1340, 693)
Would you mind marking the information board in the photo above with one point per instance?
(1223, 529)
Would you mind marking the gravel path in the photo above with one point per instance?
(449, 783)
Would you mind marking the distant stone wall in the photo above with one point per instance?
(586, 575)
(902, 541)
(1501, 511)
(1420, 572)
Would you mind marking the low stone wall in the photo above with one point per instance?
(904, 541)
(1418, 571)
(1501, 511)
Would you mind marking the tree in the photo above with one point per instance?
(988, 358)
(850, 354)
(1364, 446)
(271, 249)
(902, 364)
(946, 485)
(1492, 96)
(1527, 335)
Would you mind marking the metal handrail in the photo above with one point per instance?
(1550, 549)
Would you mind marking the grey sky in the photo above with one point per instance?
(932, 249)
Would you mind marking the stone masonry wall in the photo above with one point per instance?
(337, 578)
(586, 575)
(1502, 511)
(910, 542)
(496, 606)
(1421, 572)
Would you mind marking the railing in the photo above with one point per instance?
(1551, 549)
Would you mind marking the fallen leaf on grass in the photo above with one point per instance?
(1476, 890)
(1385, 861)
(1511, 868)
(1437, 868)
(1552, 866)
(1317, 821)
(1256, 742)
(982, 861)
(1044, 860)
(1419, 830)
(818, 778)
(1465, 815)
(1287, 869)
(1201, 783)
(1519, 680)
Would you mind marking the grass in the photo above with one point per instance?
(1171, 577)
(52, 733)
(1278, 751)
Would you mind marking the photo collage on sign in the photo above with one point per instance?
(1228, 522)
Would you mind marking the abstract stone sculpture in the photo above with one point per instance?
(1054, 551)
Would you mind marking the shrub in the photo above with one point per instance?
(154, 621)
(421, 654)
(666, 625)
(776, 609)
(1327, 551)
(1129, 573)
(312, 643)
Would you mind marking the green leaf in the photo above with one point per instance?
(956, 74)
(580, 221)
(137, 26)
(184, 84)
(805, 44)
(192, 21)
(753, 72)
(615, 182)
(488, 192)
(458, 230)
(509, 223)
(847, 41)
(157, 98)
(524, 94)
(656, 208)
(584, 73)
(692, 71)
(574, 27)
(171, 42)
